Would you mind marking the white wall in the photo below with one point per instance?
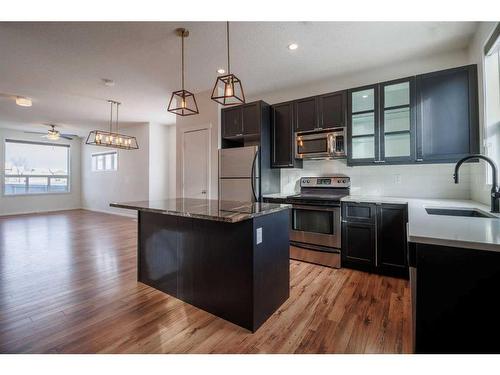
(479, 189)
(404, 181)
(366, 77)
(209, 117)
(162, 159)
(416, 181)
(129, 183)
(41, 202)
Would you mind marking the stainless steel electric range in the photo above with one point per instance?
(315, 225)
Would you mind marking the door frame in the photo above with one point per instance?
(208, 128)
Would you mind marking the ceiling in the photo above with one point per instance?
(60, 65)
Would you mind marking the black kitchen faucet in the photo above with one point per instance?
(495, 193)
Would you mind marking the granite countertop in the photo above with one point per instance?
(216, 210)
(465, 232)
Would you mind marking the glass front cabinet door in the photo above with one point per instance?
(381, 123)
(363, 125)
(397, 111)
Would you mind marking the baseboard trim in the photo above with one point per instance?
(39, 212)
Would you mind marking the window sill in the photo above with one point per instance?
(35, 194)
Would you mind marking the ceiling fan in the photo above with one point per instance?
(54, 134)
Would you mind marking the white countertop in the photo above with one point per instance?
(456, 231)
(466, 232)
(277, 195)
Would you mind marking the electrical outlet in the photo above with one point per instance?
(397, 179)
(259, 235)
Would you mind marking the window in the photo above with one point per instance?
(492, 99)
(105, 161)
(35, 168)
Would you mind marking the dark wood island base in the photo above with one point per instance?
(217, 266)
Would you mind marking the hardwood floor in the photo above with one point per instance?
(68, 285)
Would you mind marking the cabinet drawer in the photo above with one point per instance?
(359, 212)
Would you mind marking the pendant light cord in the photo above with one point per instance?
(182, 58)
(117, 106)
(111, 117)
(228, 60)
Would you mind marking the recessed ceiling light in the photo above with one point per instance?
(23, 102)
(221, 70)
(108, 82)
(293, 46)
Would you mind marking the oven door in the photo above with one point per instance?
(316, 225)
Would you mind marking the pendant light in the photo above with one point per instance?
(230, 84)
(110, 138)
(183, 102)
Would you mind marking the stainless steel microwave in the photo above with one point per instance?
(324, 144)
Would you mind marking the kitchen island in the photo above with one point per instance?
(228, 258)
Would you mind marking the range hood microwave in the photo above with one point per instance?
(323, 144)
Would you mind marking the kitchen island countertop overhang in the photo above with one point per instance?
(209, 209)
(228, 258)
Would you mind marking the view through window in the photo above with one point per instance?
(492, 99)
(35, 168)
(105, 161)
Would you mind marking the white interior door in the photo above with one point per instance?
(195, 168)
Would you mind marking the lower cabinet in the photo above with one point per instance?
(375, 242)
(358, 245)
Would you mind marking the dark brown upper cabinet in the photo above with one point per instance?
(332, 110)
(381, 126)
(447, 115)
(306, 114)
(397, 121)
(430, 118)
(363, 141)
(320, 112)
(251, 114)
(232, 122)
(243, 120)
(282, 136)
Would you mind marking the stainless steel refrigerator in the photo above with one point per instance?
(239, 174)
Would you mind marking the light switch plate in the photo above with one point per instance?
(259, 235)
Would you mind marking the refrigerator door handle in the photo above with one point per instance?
(253, 176)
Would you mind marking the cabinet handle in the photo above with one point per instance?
(379, 161)
(420, 159)
(239, 134)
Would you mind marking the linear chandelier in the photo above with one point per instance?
(187, 100)
(110, 138)
(230, 84)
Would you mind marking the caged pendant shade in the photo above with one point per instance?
(228, 84)
(183, 102)
(112, 138)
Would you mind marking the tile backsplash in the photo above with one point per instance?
(417, 181)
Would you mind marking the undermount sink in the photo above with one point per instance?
(464, 212)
